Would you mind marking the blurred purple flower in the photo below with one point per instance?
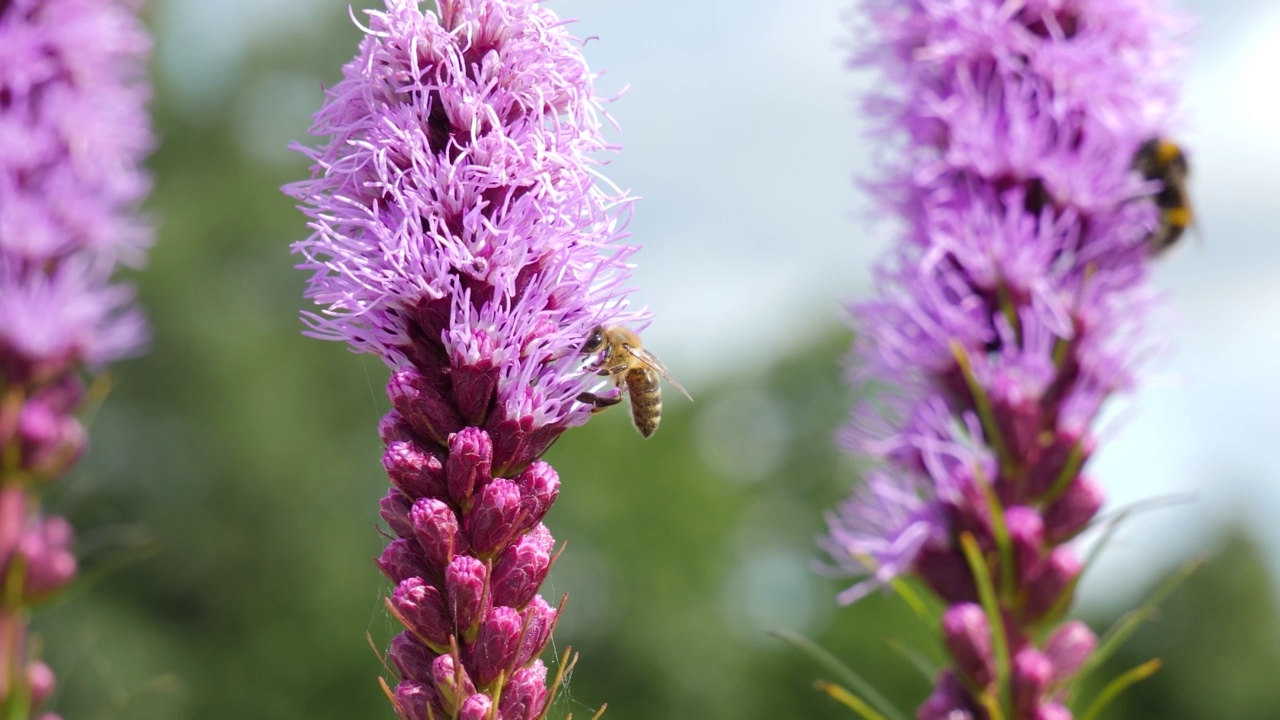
(1010, 309)
(461, 232)
(73, 134)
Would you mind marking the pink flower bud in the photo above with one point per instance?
(1026, 535)
(422, 608)
(493, 518)
(967, 634)
(1053, 577)
(1052, 711)
(470, 463)
(496, 644)
(410, 658)
(51, 442)
(517, 438)
(949, 701)
(465, 589)
(394, 428)
(45, 549)
(41, 681)
(522, 567)
(945, 571)
(539, 620)
(1068, 647)
(402, 560)
(1052, 462)
(539, 486)
(435, 527)
(525, 694)
(414, 472)
(453, 685)
(424, 407)
(1017, 410)
(1031, 672)
(476, 707)
(412, 700)
(1073, 510)
(394, 509)
(473, 371)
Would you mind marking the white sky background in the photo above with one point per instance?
(740, 134)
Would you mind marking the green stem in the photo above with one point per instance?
(986, 415)
(999, 642)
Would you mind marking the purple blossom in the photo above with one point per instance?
(461, 231)
(73, 134)
(1008, 312)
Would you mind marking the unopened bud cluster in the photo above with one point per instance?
(470, 554)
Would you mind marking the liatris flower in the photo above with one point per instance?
(1009, 312)
(73, 132)
(460, 232)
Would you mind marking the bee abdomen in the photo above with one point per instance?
(646, 400)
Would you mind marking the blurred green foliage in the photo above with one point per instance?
(229, 505)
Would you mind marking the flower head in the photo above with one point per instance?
(456, 204)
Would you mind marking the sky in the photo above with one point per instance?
(739, 133)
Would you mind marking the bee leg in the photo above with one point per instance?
(601, 402)
(615, 370)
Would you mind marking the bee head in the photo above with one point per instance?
(595, 341)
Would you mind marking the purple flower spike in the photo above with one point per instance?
(461, 231)
(1008, 312)
(73, 134)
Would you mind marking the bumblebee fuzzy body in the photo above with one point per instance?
(624, 360)
(1163, 161)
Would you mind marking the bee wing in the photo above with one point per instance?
(652, 361)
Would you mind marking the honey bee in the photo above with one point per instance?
(1162, 160)
(629, 365)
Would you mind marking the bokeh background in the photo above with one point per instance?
(228, 506)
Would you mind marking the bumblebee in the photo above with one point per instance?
(625, 361)
(1162, 160)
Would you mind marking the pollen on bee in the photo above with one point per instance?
(1180, 216)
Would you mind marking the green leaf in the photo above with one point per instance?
(1113, 522)
(849, 700)
(927, 668)
(847, 674)
(987, 594)
(1123, 628)
(1118, 685)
